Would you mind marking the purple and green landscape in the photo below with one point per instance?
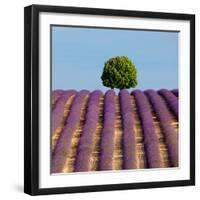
(108, 112)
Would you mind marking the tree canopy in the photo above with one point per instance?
(119, 72)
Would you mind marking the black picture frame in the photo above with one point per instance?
(31, 99)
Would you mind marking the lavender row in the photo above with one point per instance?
(170, 135)
(55, 96)
(63, 146)
(171, 100)
(85, 146)
(129, 138)
(58, 111)
(175, 92)
(107, 139)
(151, 141)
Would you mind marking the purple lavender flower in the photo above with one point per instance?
(107, 140)
(63, 146)
(129, 138)
(175, 92)
(170, 135)
(55, 95)
(85, 146)
(58, 111)
(151, 141)
(171, 99)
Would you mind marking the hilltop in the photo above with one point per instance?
(95, 131)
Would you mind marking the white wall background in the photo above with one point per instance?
(11, 99)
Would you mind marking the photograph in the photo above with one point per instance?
(114, 99)
(109, 99)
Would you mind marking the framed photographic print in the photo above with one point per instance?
(109, 99)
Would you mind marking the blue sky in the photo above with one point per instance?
(79, 54)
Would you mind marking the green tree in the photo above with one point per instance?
(119, 72)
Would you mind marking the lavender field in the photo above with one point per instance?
(95, 131)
